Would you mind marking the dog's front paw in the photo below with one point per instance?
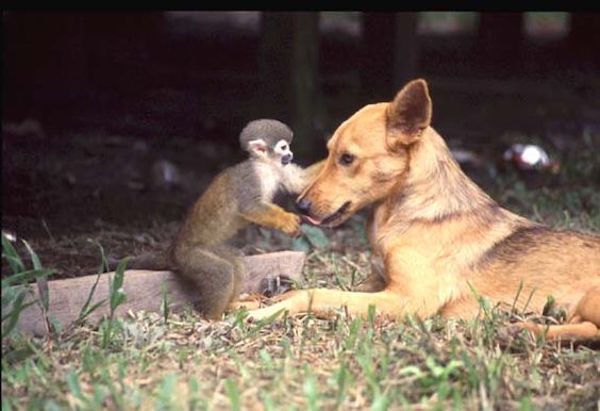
(264, 313)
(283, 302)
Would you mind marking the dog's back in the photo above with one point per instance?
(558, 263)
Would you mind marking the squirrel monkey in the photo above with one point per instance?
(240, 195)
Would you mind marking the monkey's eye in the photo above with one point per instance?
(281, 146)
(346, 159)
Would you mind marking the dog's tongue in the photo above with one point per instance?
(311, 220)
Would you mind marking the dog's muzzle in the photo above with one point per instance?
(304, 207)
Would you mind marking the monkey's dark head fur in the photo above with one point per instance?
(271, 131)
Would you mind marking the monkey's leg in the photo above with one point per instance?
(272, 216)
(213, 275)
(234, 256)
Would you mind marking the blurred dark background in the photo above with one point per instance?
(120, 119)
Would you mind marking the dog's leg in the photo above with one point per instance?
(322, 302)
(584, 320)
(581, 331)
(464, 308)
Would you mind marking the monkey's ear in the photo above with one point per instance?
(258, 146)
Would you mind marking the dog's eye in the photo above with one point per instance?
(346, 159)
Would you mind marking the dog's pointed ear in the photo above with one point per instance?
(408, 114)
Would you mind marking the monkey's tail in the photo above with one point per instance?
(147, 261)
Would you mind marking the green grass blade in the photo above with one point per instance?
(35, 259)
(13, 315)
(25, 277)
(116, 293)
(86, 309)
(11, 255)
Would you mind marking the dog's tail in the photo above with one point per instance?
(147, 261)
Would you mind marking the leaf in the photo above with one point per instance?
(233, 393)
(9, 252)
(301, 244)
(103, 260)
(84, 314)
(116, 294)
(25, 277)
(311, 391)
(73, 383)
(35, 259)
(55, 325)
(165, 301)
(315, 236)
(84, 310)
(44, 293)
(14, 314)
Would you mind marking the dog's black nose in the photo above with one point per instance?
(303, 205)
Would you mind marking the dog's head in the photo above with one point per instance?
(368, 156)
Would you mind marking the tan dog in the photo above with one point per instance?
(438, 235)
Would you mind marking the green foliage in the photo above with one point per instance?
(234, 394)
(116, 297)
(86, 310)
(312, 237)
(17, 294)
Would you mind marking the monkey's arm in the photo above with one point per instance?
(272, 216)
(297, 178)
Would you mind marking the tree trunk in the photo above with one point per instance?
(405, 49)
(584, 37)
(389, 53)
(289, 65)
(500, 36)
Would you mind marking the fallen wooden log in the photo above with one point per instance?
(144, 291)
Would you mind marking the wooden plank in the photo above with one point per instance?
(289, 71)
(144, 291)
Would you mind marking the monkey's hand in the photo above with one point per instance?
(291, 225)
(273, 216)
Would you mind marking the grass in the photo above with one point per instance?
(339, 363)
(177, 361)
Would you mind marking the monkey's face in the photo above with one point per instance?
(279, 152)
(282, 152)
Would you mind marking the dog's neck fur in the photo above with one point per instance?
(433, 192)
(434, 187)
